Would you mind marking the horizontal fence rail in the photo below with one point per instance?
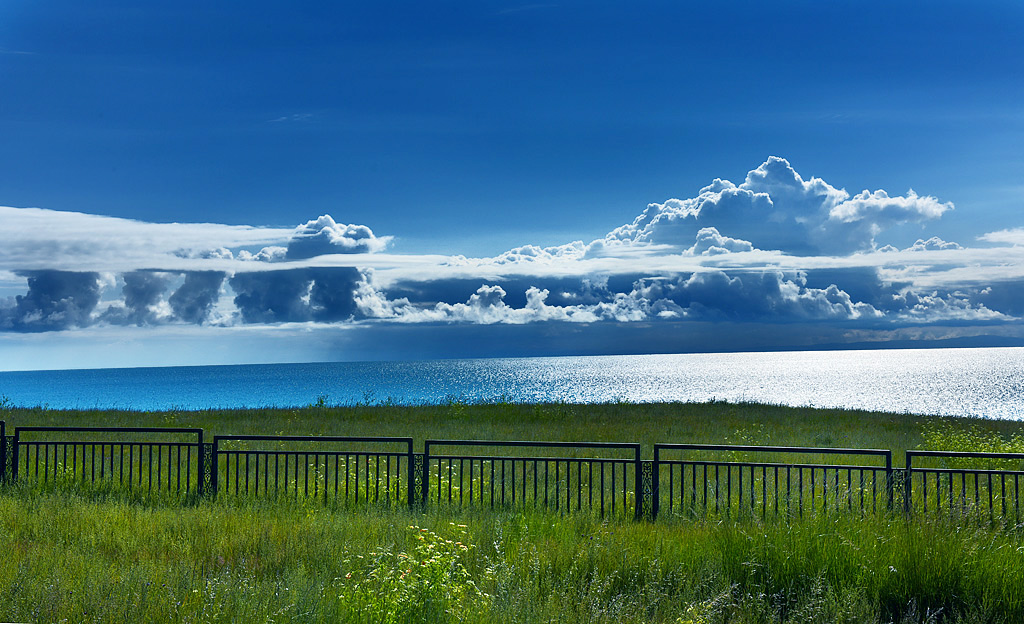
(342, 471)
(700, 480)
(980, 484)
(543, 475)
(141, 459)
(606, 479)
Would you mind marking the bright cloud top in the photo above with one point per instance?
(775, 248)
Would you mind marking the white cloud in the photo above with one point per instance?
(324, 236)
(775, 208)
(711, 243)
(1013, 236)
(933, 244)
(774, 248)
(487, 306)
(38, 239)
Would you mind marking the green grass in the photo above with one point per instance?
(739, 423)
(79, 559)
(104, 556)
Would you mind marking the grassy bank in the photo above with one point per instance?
(713, 423)
(101, 557)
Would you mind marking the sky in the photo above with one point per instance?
(212, 183)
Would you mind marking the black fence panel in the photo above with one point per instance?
(340, 471)
(986, 485)
(604, 479)
(136, 459)
(701, 480)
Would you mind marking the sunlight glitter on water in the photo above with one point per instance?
(956, 382)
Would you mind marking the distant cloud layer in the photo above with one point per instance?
(773, 249)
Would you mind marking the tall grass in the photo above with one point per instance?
(76, 559)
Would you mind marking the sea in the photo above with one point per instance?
(983, 382)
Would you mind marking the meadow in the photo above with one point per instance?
(74, 555)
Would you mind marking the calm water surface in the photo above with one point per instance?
(977, 382)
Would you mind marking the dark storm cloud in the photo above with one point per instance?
(332, 295)
(142, 291)
(272, 296)
(55, 300)
(193, 301)
(1005, 296)
(295, 295)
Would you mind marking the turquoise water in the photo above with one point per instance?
(978, 382)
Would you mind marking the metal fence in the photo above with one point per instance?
(980, 484)
(601, 479)
(560, 476)
(728, 480)
(150, 459)
(336, 470)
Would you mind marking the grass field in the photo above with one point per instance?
(102, 557)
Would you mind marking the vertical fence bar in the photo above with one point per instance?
(888, 478)
(3, 452)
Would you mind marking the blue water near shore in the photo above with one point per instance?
(958, 382)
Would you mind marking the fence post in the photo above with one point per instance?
(201, 465)
(647, 489)
(656, 484)
(412, 474)
(13, 476)
(210, 466)
(425, 474)
(3, 451)
(639, 485)
(907, 484)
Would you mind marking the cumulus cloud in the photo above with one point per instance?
(193, 301)
(763, 295)
(933, 244)
(487, 306)
(775, 208)
(534, 254)
(774, 249)
(55, 300)
(142, 292)
(711, 243)
(956, 306)
(707, 295)
(267, 254)
(297, 295)
(325, 236)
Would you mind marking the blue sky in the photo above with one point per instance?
(460, 149)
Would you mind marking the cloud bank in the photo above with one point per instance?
(774, 249)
